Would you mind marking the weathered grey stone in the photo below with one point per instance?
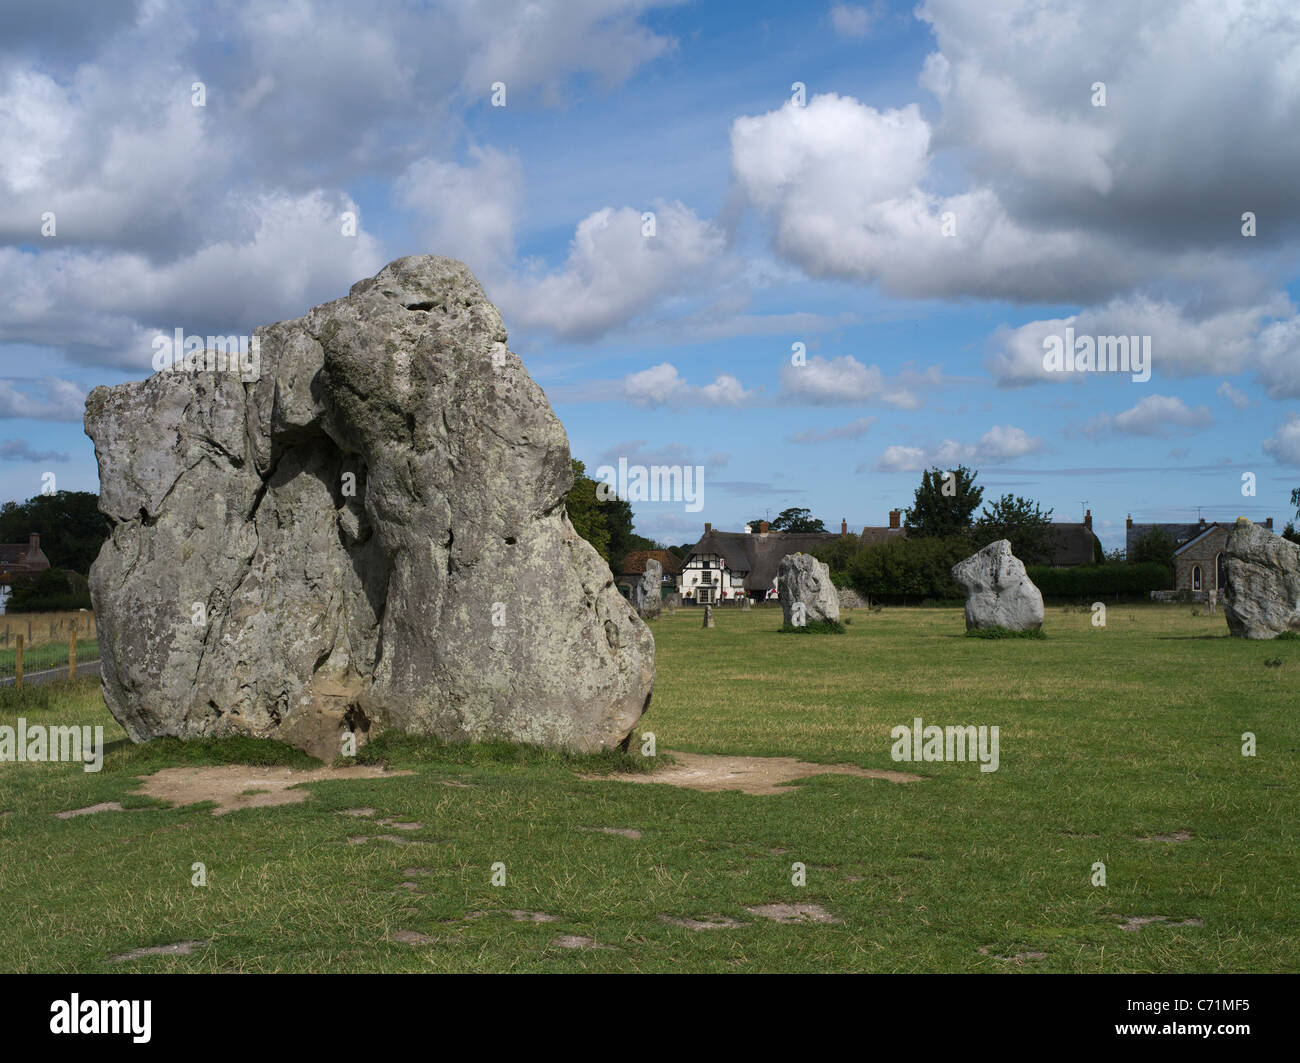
(1261, 596)
(371, 535)
(745, 603)
(708, 616)
(648, 591)
(850, 599)
(998, 591)
(804, 587)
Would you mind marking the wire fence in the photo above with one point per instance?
(50, 660)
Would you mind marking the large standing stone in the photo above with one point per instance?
(803, 581)
(371, 535)
(1261, 597)
(649, 590)
(998, 591)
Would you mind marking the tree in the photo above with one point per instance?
(1290, 534)
(944, 503)
(69, 523)
(617, 513)
(585, 512)
(1022, 522)
(1156, 545)
(1295, 501)
(796, 519)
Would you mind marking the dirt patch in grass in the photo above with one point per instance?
(181, 948)
(577, 941)
(412, 937)
(90, 810)
(622, 832)
(1134, 923)
(228, 784)
(709, 922)
(361, 839)
(1176, 836)
(794, 913)
(751, 775)
(1019, 957)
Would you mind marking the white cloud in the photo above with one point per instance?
(999, 444)
(1155, 415)
(58, 400)
(851, 20)
(21, 450)
(613, 273)
(469, 211)
(662, 385)
(1285, 445)
(844, 379)
(1278, 358)
(1238, 399)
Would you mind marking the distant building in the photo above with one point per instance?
(632, 567)
(22, 561)
(1198, 554)
(1181, 534)
(1072, 544)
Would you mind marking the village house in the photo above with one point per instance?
(630, 570)
(1073, 544)
(1198, 554)
(728, 566)
(22, 561)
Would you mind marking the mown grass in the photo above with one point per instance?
(1109, 736)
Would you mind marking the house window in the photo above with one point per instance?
(1196, 577)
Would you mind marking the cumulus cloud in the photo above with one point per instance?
(1238, 399)
(1155, 415)
(1001, 443)
(469, 211)
(843, 379)
(851, 20)
(614, 271)
(1284, 446)
(662, 385)
(637, 452)
(54, 400)
(1278, 358)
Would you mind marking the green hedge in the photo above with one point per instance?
(56, 590)
(1099, 582)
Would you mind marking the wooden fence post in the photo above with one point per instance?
(18, 663)
(72, 656)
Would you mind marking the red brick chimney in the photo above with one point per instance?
(1128, 522)
(844, 526)
(1268, 523)
(708, 528)
(33, 544)
(1087, 520)
(762, 527)
(895, 518)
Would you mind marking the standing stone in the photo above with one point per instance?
(708, 616)
(745, 603)
(648, 591)
(1261, 596)
(801, 578)
(998, 591)
(371, 534)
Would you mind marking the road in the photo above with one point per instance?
(49, 674)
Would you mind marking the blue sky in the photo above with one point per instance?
(778, 222)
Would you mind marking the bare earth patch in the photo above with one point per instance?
(361, 839)
(1134, 923)
(751, 775)
(398, 826)
(1176, 836)
(532, 917)
(181, 948)
(1019, 957)
(357, 812)
(413, 871)
(709, 922)
(227, 784)
(576, 941)
(794, 913)
(622, 832)
(412, 937)
(90, 810)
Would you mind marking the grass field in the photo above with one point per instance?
(1109, 737)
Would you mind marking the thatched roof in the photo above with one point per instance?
(634, 563)
(759, 555)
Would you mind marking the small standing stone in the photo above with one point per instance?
(745, 603)
(648, 593)
(708, 616)
(802, 579)
(999, 592)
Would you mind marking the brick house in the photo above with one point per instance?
(1199, 564)
(22, 561)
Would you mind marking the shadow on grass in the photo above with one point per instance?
(393, 749)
